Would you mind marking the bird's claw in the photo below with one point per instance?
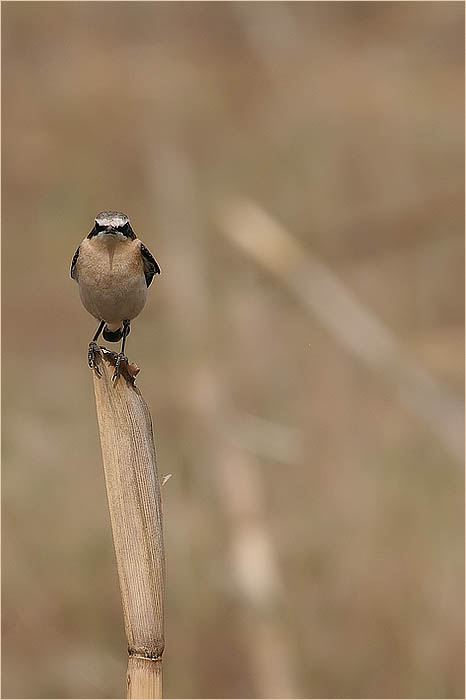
(119, 358)
(93, 348)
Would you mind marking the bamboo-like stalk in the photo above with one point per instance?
(134, 499)
(352, 324)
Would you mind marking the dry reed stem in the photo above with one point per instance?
(133, 490)
(354, 326)
(267, 643)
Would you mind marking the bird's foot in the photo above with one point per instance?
(119, 358)
(91, 355)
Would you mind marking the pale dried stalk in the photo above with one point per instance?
(347, 319)
(236, 477)
(133, 490)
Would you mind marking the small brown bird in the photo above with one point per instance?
(113, 269)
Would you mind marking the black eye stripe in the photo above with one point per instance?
(124, 229)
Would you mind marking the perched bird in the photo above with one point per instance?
(113, 269)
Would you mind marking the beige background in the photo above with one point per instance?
(314, 521)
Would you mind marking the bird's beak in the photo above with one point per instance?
(109, 229)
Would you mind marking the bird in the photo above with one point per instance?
(113, 269)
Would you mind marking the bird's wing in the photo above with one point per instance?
(151, 266)
(73, 264)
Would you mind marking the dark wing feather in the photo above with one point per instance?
(73, 264)
(151, 266)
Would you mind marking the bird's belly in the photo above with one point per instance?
(112, 296)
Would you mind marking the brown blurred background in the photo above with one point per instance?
(297, 169)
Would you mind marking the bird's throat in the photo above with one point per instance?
(109, 242)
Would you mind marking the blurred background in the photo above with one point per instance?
(298, 171)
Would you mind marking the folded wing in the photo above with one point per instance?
(151, 266)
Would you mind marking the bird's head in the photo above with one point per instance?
(112, 222)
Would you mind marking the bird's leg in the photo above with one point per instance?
(121, 356)
(92, 349)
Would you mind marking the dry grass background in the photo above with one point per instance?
(314, 527)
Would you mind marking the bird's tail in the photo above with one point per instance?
(113, 336)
